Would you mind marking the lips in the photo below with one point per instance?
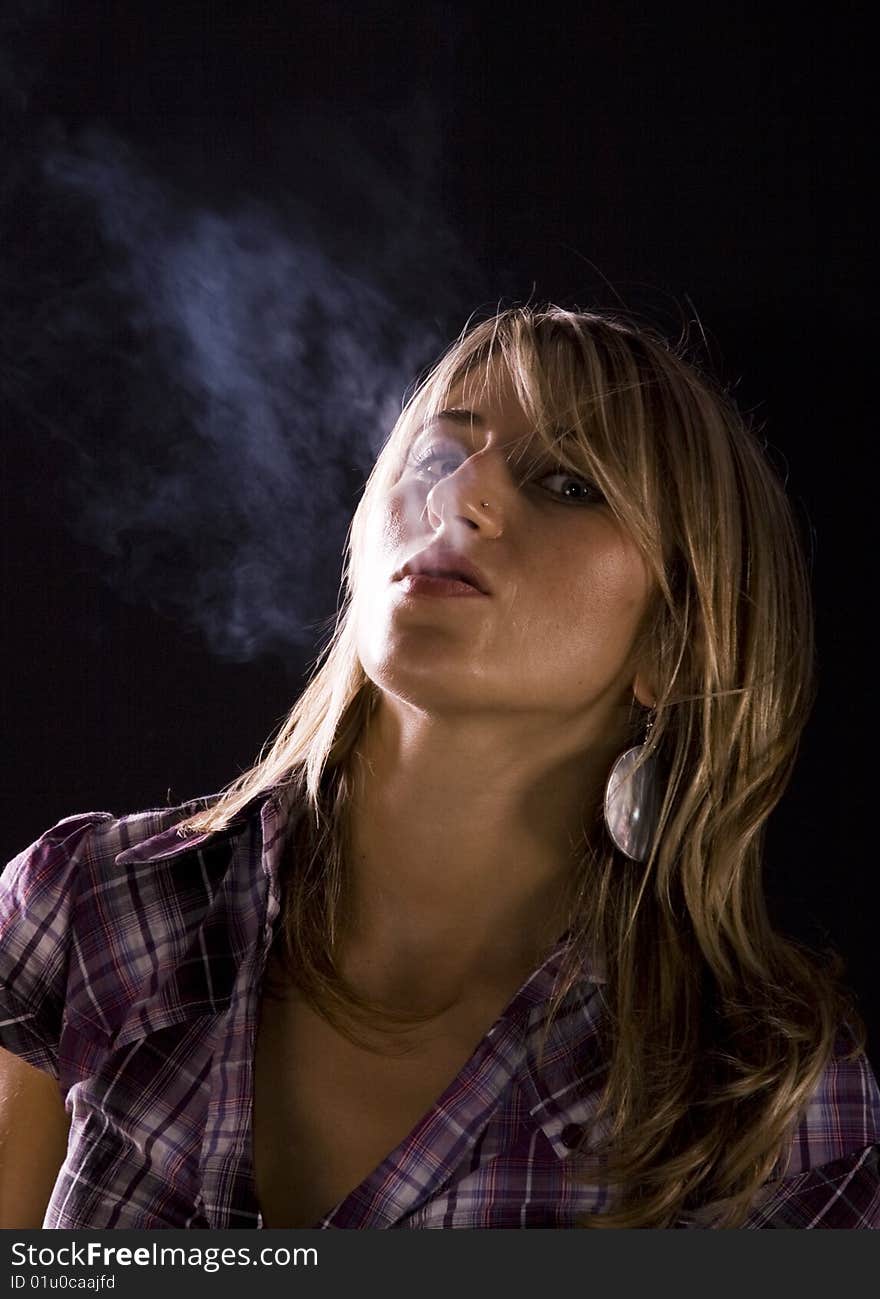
(444, 561)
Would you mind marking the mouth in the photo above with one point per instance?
(428, 584)
(443, 563)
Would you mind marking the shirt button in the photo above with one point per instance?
(571, 1134)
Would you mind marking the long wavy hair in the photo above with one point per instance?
(717, 1027)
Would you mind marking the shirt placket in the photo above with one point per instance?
(228, 1193)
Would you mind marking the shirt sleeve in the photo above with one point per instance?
(38, 891)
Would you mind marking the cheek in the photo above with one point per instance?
(599, 602)
(387, 542)
(623, 583)
(391, 524)
(383, 539)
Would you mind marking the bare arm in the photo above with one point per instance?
(33, 1141)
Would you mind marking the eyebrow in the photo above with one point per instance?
(452, 415)
(458, 415)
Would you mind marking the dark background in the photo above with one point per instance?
(404, 165)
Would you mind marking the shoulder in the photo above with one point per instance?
(842, 1114)
(97, 917)
(831, 1177)
(80, 855)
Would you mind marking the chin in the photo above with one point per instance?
(426, 687)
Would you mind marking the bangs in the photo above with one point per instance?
(591, 390)
(545, 376)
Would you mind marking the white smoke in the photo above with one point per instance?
(283, 372)
(207, 355)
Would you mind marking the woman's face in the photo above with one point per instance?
(565, 585)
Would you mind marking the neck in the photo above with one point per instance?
(464, 834)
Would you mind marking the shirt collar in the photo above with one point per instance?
(561, 1084)
(169, 842)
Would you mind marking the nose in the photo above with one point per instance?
(474, 494)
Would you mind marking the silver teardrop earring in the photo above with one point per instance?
(632, 800)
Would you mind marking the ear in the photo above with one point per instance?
(644, 689)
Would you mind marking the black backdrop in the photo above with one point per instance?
(185, 185)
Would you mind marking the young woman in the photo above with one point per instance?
(481, 941)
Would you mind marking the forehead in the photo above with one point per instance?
(489, 391)
(481, 410)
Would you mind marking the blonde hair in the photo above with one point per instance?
(717, 1027)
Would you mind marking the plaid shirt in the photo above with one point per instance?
(130, 969)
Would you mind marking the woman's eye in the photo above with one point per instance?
(429, 459)
(584, 491)
(437, 460)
